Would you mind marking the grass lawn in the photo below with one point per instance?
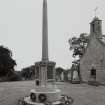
(82, 94)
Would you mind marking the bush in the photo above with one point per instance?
(2, 79)
(14, 77)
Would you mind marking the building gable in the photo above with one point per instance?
(94, 52)
(92, 63)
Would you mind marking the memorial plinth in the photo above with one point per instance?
(45, 82)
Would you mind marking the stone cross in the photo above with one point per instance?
(95, 11)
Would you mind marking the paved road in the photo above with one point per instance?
(82, 94)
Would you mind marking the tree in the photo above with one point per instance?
(28, 72)
(79, 44)
(6, 62)
(14, 76)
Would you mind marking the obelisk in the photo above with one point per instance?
(45, 89)
(45, 33)
(45, 69)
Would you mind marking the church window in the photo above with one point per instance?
(37, 82)
(93, 72)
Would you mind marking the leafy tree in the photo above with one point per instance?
(28, 72)
(14, 76)
(79, 44)
(6, 62)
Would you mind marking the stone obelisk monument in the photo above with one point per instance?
(45, 91)
(45, 88)
(45, 69)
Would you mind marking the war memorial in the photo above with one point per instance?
(45, 91)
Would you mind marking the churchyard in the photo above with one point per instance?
(82, 94)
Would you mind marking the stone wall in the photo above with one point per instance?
(94, 55)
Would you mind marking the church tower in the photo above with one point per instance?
(96, 27)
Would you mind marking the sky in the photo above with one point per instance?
(21, 28)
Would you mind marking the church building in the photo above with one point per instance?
(92, 63)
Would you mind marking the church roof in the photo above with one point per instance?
(101, 40)
(95, 19)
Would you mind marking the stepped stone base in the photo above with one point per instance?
(52, 93)
(64, 100)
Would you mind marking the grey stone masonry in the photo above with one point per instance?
(94, 56)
